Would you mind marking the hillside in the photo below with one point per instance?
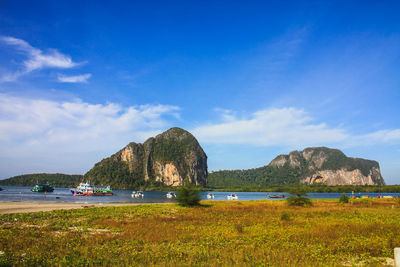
(167, 159)
(55, 179)
(316, 165)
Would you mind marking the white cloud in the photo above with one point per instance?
(31, 128)
(285, 127)
(74, 79)
(381, 136)
(36, 58)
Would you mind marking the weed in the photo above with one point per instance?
(285, 216)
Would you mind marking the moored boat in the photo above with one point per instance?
(86, 189)
(42, 188)
(232, 196)
(170, 195)
(276, 196)
(138, 194)
(210, 196)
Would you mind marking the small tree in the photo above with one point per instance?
(344, 198)
(298, 197)
(188, 195)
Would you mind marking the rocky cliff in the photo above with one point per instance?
(169, 159)
(315, 165)
(321, 165)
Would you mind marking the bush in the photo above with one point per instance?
(299, 197)
(299, 201)
(188, 196)
(344, 198)
(285, 216)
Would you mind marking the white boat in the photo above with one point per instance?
(138, 194)
(232, 196)
(171, 195)
(210, 196)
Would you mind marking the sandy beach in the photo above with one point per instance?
(22, 207)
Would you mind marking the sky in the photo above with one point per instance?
(249, 79)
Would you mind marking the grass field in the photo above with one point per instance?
(254, 233)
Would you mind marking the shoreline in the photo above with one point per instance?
(27, 207)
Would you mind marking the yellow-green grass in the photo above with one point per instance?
(254, 233)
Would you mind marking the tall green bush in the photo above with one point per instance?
(298, 197)
(188, 196)
(344, 198)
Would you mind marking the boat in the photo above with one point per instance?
(86, 189)
(276, 196)
(1, 189)
(42, 188)
(210, 196)
(171, 195)
(232, 196)
(138, 194)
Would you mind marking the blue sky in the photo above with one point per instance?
(250, 79)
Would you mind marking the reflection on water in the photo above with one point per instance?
(23, 193)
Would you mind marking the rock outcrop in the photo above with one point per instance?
(169, 158)
(321, 165)
(315, 165)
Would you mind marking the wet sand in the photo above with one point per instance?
(22, 207)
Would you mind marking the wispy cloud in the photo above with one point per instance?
(290, 127)
(74, 79)
(36, 58)
(39, 135)
(48, 121)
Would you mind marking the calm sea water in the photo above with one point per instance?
(23, 193)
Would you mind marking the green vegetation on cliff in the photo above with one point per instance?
(55, 179)
(167, 159)
(264, 176)
(117, 175)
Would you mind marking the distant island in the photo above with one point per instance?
(314, 165)
(55, 179)
(175, 156)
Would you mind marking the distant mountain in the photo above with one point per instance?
(55, 179)
(168, 159)
(315, 165)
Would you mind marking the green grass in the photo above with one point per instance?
(256, 233)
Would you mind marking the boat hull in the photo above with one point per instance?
(80, 193)
(276, 196)
(41, 188)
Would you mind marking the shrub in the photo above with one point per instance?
(344, 198)
(285, 216)
(299, 197)
(299, 201)
(188, 196)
